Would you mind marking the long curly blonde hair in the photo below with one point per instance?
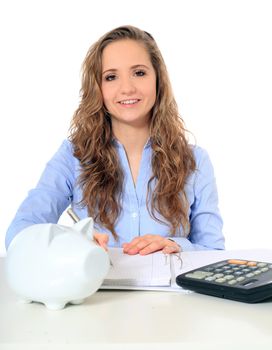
(101, 177)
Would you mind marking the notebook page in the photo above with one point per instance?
(137, 270)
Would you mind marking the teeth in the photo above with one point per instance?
(128, 102)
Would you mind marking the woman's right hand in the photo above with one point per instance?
(101, 239)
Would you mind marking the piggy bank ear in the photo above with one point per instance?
(85, 227)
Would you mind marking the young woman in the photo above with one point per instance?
(127, 162)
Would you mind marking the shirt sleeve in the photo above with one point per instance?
(205, 219)
(52, 195)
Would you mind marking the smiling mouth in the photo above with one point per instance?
(129, 102)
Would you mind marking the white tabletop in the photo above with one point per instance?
(135, 320)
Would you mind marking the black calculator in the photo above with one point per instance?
(242, 280)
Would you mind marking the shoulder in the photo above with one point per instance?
(66, 150)
(64, 157)
(200, 155)
(204, 167)
(66, 147)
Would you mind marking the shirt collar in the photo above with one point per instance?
(118, 144)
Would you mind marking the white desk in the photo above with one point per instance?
(135, 320)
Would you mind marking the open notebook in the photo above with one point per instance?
(153, 271)
(156, 272)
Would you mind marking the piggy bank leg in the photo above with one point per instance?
(76, 302)
(55, 306)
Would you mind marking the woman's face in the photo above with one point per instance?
(128, 83)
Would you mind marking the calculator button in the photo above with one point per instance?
(238, 273)
(220, 280)
(218, 275)
(240, 279)
(209, 269)
(237, 262)
(229, 277)
(218, 270)
(198, 274)
(210, 278)
(251, 263)
(261, 264)
(246, 270)
(264, 269)
(250, 274)
(257, 272)
(232, 282)
(219, 265)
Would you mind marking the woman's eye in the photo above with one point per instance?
(139, 73)
(110, 77)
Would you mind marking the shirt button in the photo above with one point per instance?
(134, 215)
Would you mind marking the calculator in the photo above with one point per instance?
(242, 280)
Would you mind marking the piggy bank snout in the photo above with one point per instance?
(74, 253)
(96, 264)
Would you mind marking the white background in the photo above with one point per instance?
(219, 58)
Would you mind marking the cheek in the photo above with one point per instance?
(106, 94)
(151, 93)
(152, 86)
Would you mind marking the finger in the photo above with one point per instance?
(152, 247)
(131, 245)
(169, 249)
(132, 250)
(102, 240)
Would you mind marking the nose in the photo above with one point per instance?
(127, 86)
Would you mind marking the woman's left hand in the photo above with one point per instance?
(149, 244)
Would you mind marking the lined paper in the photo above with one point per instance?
(138, 270)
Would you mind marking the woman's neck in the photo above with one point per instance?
(133, 139)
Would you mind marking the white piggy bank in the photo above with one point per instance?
(55, 264)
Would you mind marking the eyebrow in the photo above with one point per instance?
(132, 67)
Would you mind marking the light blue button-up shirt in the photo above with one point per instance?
(57, 189)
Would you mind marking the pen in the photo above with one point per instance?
(73, 215)
(76, 219)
